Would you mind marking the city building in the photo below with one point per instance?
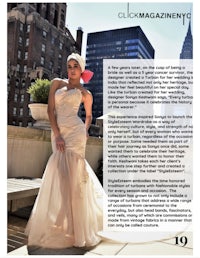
(176, 108)
(187, 48)
(123, 43)
(38, 44)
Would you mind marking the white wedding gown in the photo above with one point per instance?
(68, 208)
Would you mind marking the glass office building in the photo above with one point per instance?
(124, 43)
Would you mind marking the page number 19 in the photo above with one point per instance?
(181, 240)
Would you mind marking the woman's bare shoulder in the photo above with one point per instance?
(59, 80)
(85, 91)
(57, 83)
(87, 95)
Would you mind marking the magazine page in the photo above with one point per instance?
(145, 51)
(121, 176)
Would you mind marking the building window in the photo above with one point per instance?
(131, 47)
(62, 16)
(19, 53)
(25, 68)
(21, 26)
(18, 68)
(42, 60)
(14, 111)
(22, 98)
(27, 42)
(15, 97)
(43, 47)
(52, 40)
(118, 43)
(32, 81)
(61, 45)
(131, 41)
(133, 54)
(20, 124)
(20, 40)
(26, 56)
(28, 28)
(21, 112)
(44, 34)
(30, 98)
(17, 83)
(23, 84)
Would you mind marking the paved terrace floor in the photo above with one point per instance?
(17, 242)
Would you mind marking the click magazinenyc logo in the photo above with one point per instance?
(128, 13)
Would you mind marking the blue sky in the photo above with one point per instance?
(166, 35)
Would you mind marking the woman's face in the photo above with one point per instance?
(73, 69)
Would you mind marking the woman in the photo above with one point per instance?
(68, 208)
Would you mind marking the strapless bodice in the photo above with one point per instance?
(67, 103)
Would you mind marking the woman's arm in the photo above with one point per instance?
(51, 106)
(87, 101)
(60, 144)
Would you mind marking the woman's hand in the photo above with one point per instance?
(60, 143)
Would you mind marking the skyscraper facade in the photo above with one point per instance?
(38, 44)
(187, 48)
(124, 43)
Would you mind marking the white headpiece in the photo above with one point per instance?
(79, 59)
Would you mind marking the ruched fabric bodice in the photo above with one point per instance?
(67, 103)
(72, 128)
(68, 208)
